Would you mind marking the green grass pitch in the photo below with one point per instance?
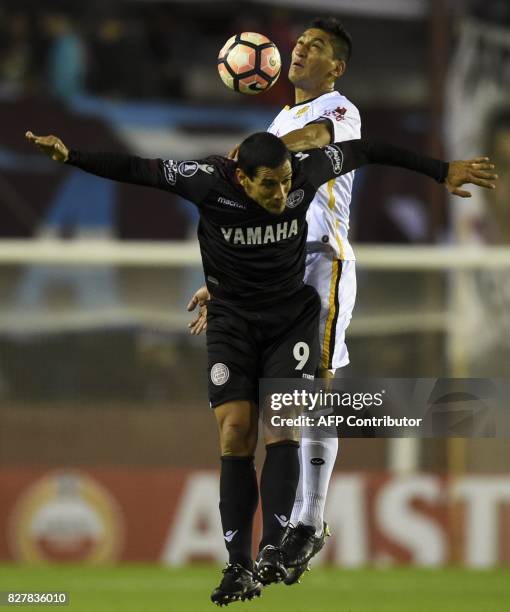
(130, 588)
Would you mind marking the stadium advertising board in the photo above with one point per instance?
(170, 516)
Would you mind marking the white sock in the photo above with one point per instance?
(317, 461)
(298, 501)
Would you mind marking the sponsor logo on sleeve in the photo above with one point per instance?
(188, 168)
(295, 198)
(170, 169)
(338, 113)
(301, 156)
(336, 157)
(207, 168)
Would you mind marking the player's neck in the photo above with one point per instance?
(302, 95)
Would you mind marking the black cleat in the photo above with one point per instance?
(270, 565)
(290, 547)
(237, 584)
(294, 573)
(298, 545)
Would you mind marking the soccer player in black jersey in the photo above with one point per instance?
(252, 235)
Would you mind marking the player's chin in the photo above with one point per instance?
(297, 75)
(294, 76)
(275, 209)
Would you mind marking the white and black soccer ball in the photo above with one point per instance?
(249, 63)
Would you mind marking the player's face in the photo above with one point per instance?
(313, 62)
(269, 187)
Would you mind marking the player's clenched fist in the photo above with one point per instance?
(50, 145)
(475, 171)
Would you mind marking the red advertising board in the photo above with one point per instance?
(171, 516)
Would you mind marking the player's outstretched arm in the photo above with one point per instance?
(342, 157)
(115, 166)
(158, 173)
(478, 171)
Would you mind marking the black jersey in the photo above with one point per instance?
(250, 256)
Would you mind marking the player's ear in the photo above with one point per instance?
(339, 68)
(241, 176)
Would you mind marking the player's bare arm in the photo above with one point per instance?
(311, 136)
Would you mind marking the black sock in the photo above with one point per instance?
(280, 476)
(238, 501)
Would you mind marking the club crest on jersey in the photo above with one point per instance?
(170, 169)
(295, 198)
(260, 234)
(219, 374)
(336, 157)
(337, 113)
(188, 168)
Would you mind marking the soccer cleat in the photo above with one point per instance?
(294, 573)
(237, 584)
(299, 546)
(270, 565)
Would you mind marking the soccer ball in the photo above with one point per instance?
(249, 63)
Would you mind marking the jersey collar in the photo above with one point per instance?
(311, 99)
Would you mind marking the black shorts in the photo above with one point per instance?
(277, 341)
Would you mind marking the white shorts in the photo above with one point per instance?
(335, 282)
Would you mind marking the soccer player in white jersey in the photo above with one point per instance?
(320, 116)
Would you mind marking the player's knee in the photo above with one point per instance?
(238, 427)
(237, 438)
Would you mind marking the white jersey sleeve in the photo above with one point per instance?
(328, 215)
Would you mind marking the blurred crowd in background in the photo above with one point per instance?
(161, 50)
(150, 50)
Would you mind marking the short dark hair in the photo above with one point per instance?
(340, 38)
(261, 149)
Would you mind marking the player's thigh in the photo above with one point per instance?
(294, 351)
(335, 282)
(232, 354)
(292, 357)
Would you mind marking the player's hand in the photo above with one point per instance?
(233, 153)
(50, 145)
(475, 171)
(200, 298)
